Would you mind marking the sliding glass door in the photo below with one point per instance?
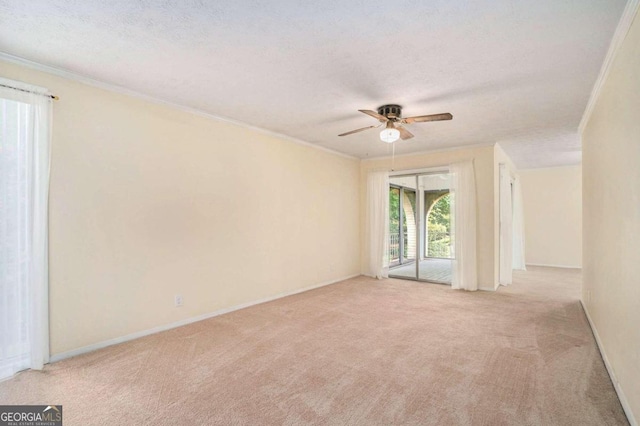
(420, 234)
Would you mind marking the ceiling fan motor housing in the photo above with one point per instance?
(390, 111)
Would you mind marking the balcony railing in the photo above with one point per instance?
(439, 245)
(394, 247)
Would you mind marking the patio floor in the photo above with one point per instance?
(438, 270)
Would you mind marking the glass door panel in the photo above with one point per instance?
(436, 233)
(394, 226)
(409, 225)
(403, 227)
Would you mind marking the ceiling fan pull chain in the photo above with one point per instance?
(393, 156)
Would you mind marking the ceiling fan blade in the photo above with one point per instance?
(404, 133)
(374, 114)
(358, 130)
(424, 118)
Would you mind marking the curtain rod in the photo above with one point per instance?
(420, 172)
(54, 97)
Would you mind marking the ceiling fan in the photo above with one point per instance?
(392, 116)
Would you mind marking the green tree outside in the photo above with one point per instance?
(439, 228)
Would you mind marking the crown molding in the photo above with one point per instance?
(158, 101)
(628, 15)
(551, 168)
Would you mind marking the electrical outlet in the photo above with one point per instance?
(178, 300)
(588, 295)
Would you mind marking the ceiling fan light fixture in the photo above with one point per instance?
(389, 134)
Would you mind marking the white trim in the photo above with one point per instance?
(138, 334)
(621, 396)
(531, 169)
(546, 265)
(494, 288)
(620, 34)
(432, 151)
(158, 101)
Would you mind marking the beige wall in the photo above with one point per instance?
(552, 199)
(148, 201)
(611, 193)
(483, 161)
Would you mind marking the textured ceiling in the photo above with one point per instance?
(514, 72)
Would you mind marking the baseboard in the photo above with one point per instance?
(614, 379)
(555, 266)
(483, 288)
(138, 334)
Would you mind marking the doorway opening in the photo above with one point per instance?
(420, 234)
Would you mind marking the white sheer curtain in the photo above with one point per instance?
(518, 227)
(463, 200)
(377, 224)
(506, 227)
(25, 122)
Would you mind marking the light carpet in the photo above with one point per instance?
(360, 352)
